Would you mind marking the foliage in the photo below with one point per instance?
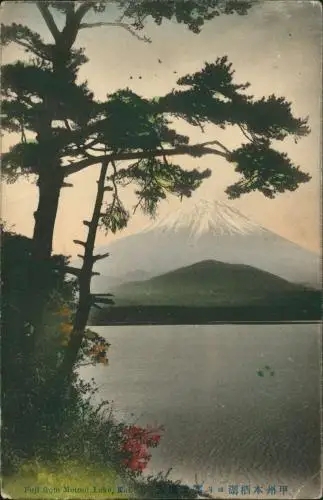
(17, 332)
(136, 442)
(94, 348)
(74, 426)
(67, 479)
(264, 169)
(192, 13)
(162, 487)
(62, 480)
(213, 98)
(18, 384)
(115, 216)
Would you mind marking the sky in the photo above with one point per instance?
(277, 47)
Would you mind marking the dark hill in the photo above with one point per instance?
(203, 284)
(210, 291)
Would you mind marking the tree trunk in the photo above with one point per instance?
(49, 186)
(84, 303)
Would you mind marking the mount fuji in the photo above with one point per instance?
(206, 230)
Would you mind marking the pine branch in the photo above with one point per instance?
(83, 10)
(96, 149)
(135, 208)
(67, 125)
(218, 143)
(193, 150)
(32, 49)
(118, 25)
(245, 133)
(49, 20)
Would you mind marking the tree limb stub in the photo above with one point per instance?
(100, 256)
(97, 307)
(72, 270)
(102, 300)
(75, 271)
(103, 294)
(79, 242)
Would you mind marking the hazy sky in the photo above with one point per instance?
(276, 47)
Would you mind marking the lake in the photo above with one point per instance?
(229, 421)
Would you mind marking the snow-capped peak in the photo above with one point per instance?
(205, 216)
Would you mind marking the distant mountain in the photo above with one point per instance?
(207, 283)
(104, 282)
(205, 231)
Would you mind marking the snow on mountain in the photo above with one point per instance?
(205, 216)
(207, 230)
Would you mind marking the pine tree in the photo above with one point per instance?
(64, 129)
(72, 130)
(44, 90)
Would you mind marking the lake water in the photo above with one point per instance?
(223, 422)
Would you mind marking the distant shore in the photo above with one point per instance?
(182, 315)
